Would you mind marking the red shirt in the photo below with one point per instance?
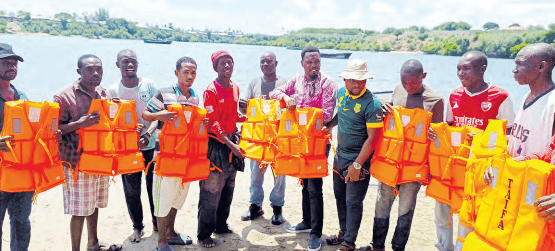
(476, 110)
(221, 107)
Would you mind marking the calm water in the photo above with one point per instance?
(51, 63)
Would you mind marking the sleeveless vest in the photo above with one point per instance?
(111, 146)
(184, 145)
(402, 152)
(33, 162)
(301, 144)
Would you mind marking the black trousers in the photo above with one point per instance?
(313, 203)
(132, 190)
(216, 194)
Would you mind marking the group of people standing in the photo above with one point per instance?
(359, 118)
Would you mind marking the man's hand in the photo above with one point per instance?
(327, 130)
(243, 103)
(139, 128)
(470, 137)
(144, 140)
(58, 136)
(387, 108)
(545, 206)
(488, 175)
(237, 151)
(353, 174)
(3, 145)
(205, 121)
(289, 102)
(431, 134)
(166, 116)
(89, 119)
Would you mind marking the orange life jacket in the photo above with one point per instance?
(507, 218)
(111, 146)
(184, 145)
(33, 162)
(401, 154)
(491, 142)
(448, 158)
(302, 144)
(259, 131)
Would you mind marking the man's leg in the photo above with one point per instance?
(20, 226)
(148, 155)
(307, 217)
(340, 192)
(407, 204)
(226, 198)
(277, 198)
(444, 227)
(170, 225)
(209, 199)
(355, 194)
(316, 206)
(384, 200)
(462, 233)
(256, 192)
(76, 229)
(5, 199)
(132, 191)
(92, 228)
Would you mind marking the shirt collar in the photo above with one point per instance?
(15, 95)
(357, 96)
(78, 86)
(178, 92)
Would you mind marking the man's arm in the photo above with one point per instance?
(329, 99)
(367, 148)
(284, 92)
(437, 111)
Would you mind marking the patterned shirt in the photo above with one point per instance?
(17, 96)
(168, 96)
(320, 93)
(74, 102)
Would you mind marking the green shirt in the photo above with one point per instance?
(355, 114)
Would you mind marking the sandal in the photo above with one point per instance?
(207, 243)
(336, 239)
(180, 239)
(369, 248)
(345, 246)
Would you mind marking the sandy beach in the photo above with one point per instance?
(50, 227)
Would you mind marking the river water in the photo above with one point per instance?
(51, 63)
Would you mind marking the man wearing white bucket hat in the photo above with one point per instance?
(360, 118)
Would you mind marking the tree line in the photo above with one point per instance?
(449, 38)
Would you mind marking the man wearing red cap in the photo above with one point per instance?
(216, 193)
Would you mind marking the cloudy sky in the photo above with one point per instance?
(277, 17)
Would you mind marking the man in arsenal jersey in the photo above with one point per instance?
(472, 104)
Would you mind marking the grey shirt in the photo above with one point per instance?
(260, 89)
(427, 100)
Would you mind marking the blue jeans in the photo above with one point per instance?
(349, 198)
(407, 204)
(277, 197)
(18, 206)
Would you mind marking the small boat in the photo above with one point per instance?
(157, 41)
(336, 55)
(293, 48)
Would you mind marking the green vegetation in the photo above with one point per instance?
(449, 38)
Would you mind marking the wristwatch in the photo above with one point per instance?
(357, 166)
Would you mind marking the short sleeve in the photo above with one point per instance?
(506, 112)
(437, 111)
(374, 115)
(449, 116)
(156, 103)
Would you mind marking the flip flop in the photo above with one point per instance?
(180, 239)
(166, 248)
(114, 247)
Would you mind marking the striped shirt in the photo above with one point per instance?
(168, 96)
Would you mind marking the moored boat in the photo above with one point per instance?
(157, 41)
(345, 55)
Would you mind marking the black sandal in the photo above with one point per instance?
(336, 239)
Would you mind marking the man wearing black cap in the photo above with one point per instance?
(18, 205)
